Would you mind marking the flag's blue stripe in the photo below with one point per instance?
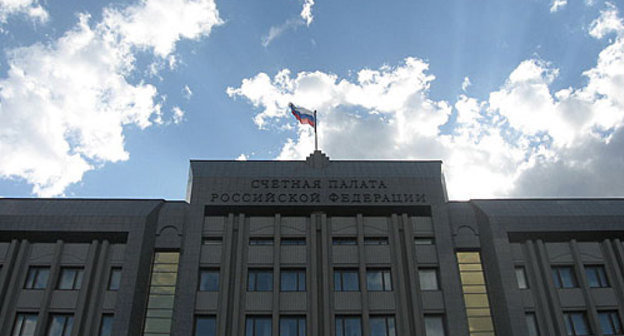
(309, 119)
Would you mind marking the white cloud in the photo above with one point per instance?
(178, 115)
(558, 5)
(187, 92)
(306, 11)
(277, 31)
(30, 8)
(64, 105)
(514, 143)
(466, 83)
(242, 157)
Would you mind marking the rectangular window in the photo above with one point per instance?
(434, 325)
(162, 287)
(610, 322)
(60, 325)
(348, 326)
(378, 279)
(258, 326)
(106, 325)
(563, 277)
(476, 299)
(521, 278)
(293, 241)
(205, 326)
(346, 280)
(428, 278)
(531, 323)
(114, 279)
(25, 324)
(423, 241)
(260, 280)
(596, 276)
(576, 323)
(261, 241)
(212, 241)
(70, 278)
(292, 280)
(37, 277)
(292, 326)
(209, 280)
(375, 240)
(344, 241)
(382, 326)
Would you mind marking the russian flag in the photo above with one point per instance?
(304, 116)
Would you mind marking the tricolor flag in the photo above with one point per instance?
(304, 116)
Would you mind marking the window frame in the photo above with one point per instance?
(301, 283)
(386, 319)
(255, 272)
(204, 317)
(20, 319)
(376, 241)
(36, 272)
(569, 321)
(434, 317)
(115, 271)
(261, 241)
(77, 278)
(212, 240)
(530, 316)
(600, 275)
(422, 241)
(614, 322)
(254, 319)
(344, 241)
(429, 270)
(206, 270)
(64, 329)
(521, 270)
(342, 319)
(293, 241)
(339, 274)
(298, 319)
(385, 276)
(558, 279)
(107, 318)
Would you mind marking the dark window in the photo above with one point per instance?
(70, 278)
(434, 325)
(378, 280)
(106, 325)
(348, 326)
(37, 277)
(209, 280)
(292, 326)
(521, 278)
(376, 241)
(114, 279)
(563, 277)
(344, 241)
(531, 322)
(346, 280)
(293, 241)
(576, 324)
(212, 240)
(60, 325)
(260, 241)
(258, 326)
(428, 278)
(382, 326)
(260, 280)
(423, 241)
(205, 326)
(293, 280)
(610, 322)
(596, 276)
(25, 325)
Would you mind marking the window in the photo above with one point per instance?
(563, 277)
(70, 278)
(376, 241)
(205, 326)
(292, 326)
(434, 325)
(378, 280)
(293, 280)
(212, 241)
(610, 322)
(346, 280)
(25, 324)
(114, 279)
(344, 241)
(60, 325)
(37, 277)
(576, 323)
(293, 241)
(260, 280)
(423, 241)
(382, 326)
(521, 278)
(428, 278)
(348, 326)
(596, 276)
(162, 287)
(531, 324)
(476, 298)
(106, 325)
(209, 280)
(258, 326)
(260, 241)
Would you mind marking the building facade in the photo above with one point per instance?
(314, 247)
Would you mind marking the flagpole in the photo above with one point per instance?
(315, 136)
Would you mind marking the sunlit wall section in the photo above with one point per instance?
(161, 293)
(475, 294)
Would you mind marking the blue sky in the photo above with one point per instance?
(518, 98)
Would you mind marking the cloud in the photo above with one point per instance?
(523, 140)
(64, 105)
(242, 157)
(466, 83)
(30, 8)
(187, 92)
(306, 11)
(277, 31)
(178, 115)
(558, 5)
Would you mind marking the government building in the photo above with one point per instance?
(317, 247)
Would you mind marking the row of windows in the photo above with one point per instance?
(348, 325)
(302, 241)
(70, 278)
(576, 323)
(58, 325)
(565, 277)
